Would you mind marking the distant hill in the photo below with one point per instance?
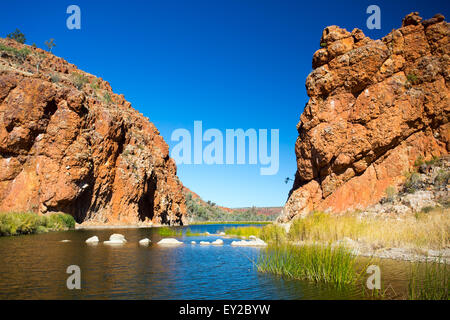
(201, 210)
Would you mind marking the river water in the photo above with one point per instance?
(34, 267)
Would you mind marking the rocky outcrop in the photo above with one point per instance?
(375, 106)
(68, 143)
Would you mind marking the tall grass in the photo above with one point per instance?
(169, 232)
(425, 230)
(273, 233)
(189, 233)
(12, 224)
(243, 232)
(429, 281)
(318, 263)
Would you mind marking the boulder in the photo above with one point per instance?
(217, 242)
(93, 239)
(115, 242)
(117, 237)
(144, 242)
(169, 242)
(251, 243)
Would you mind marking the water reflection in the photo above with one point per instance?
(34, 267)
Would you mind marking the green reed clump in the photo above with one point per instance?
(12, 223)
(244, 232)
(429, 281)
(273, 233)
(169, 232)
(189, 233)
(318, 263)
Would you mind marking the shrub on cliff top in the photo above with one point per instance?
(17, 35)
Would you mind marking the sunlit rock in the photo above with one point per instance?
(93, 239)
(169, 242)
(144, 242)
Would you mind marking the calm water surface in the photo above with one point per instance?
(34, 267)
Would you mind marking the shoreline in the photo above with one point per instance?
(141, 226)
(392, 253)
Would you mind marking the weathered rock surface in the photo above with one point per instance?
(68, 143)
(375, 106)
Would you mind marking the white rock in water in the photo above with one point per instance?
(93, 239)
(252, 238)
(222, 233)
(114, 242)
(193, 242)
(218, 242)
(205, 243)
(144, 242)
(169, 241)
(66, 241)
(252, 243)
(117, 237)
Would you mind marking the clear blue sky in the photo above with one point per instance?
(232, 64)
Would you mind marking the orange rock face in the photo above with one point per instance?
(375, 106)
(68, 143)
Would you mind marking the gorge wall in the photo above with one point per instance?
(375, 106)
(69, 144)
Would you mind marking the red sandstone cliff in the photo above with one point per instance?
(375, 106)
(68, 143)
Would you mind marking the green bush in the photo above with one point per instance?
(55, 78)
(20, 55)
(79, 80)
(107, 97)
(95, 84)
(412, 78)
(391, 192)
(60, 221)
(442, 178)
(17, 35)
(419, 161)
(12, 224)
(433, 161)
(413, 182)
